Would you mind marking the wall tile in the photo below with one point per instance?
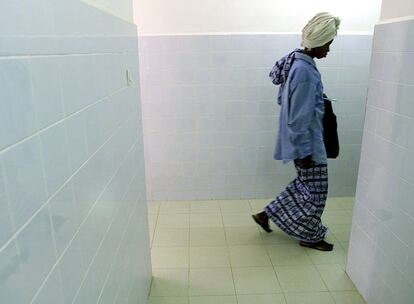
(76, 137)
(64, 216)
(12, 278)
(356, 58)
(72, 269)
(25, 180)
(382, 226)
(6, 229)
(354, 42)
(65, 95)
(17, 118)
(56, 159)
(76, 72)
(232, 102)
(36, 251)
(47, 97)
(52, 291)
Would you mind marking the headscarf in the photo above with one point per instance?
(320, 30)
(280, 70)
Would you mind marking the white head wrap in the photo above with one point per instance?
(320, 30)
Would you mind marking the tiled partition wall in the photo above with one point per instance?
(210, 115)
(73, 225)
(381, 254)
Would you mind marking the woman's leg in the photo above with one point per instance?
(298, 209)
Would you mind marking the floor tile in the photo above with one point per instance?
(204, 257)
(330, 238)
(299, 278)
(169, 282)
(243, 236)
(213, 300)
(235, 206)
(336, 217)
(174, 207)
(238, 220)
(212, 281)
(207, 237)
(205, 207)
(198, 220)
(153, 207)
(173, 221)
(168, 300)
(336, 256)
(152, 220)
(347, 297)
(335, 278)
(248, 256)
(333, 204)
(170, 257)
(347, 203)
(151, 235)
(255, 280)
(261, 299)
(171, 237)
(277, 237)
(341, 232)
(309, 298)
(345, 246)
(258, 205)
(288, 254)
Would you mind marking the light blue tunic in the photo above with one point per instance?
(302, 108)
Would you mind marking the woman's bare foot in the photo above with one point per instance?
(321, 245)
(262, 220)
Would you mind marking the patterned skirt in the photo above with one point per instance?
(298, 209)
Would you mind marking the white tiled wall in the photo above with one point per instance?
(73, 225)
(210, 115)
(381, 252)
(121, 8)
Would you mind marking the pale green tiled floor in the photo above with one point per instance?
(211, 252)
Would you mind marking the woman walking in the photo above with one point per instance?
(298, 209)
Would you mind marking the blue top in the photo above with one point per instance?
(302, 108)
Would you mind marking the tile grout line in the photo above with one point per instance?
(320, 274)
(17, 232)
(314, 264)
(189, 251)
(267, 252)
(44, 129)
(123, 235)
(228, 253)
(151, 247)
(76, 233)
(57, 55)
(274, 268)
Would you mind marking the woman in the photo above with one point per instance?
(298, 209)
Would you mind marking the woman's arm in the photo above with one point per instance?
(302, 104)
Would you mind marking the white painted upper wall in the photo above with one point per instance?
(396, 9)
(189, 16)
(119, 8)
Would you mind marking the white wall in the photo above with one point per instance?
(120, 8)
(210, 113)
(381, 252)
(187, 16)
(209, 109)
(73, 220)
(396, 8)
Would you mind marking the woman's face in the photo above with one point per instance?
(322, 51)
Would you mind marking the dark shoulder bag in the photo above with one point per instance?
(330, 130)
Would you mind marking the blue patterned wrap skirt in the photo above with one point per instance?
(298, 209)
